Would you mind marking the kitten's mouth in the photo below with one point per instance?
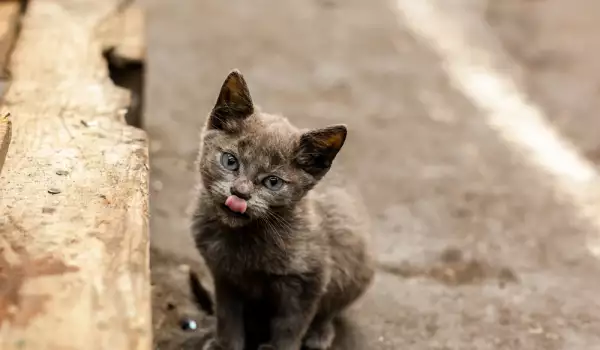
(234, 213)
(236, 206)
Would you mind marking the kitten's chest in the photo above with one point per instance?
(250, 270)
(243, 257)
(253, 285)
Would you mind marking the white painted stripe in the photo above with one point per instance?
(505, 107)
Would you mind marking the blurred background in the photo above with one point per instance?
(473, 133)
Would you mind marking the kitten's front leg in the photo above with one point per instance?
(230, 317)
(296, 306)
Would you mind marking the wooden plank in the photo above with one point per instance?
(74, 266)
(124, 33)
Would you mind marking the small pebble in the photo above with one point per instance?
(188, 324)
(536, 330)
(62, 172)
(54, 191)
(47, 210)
(157, 185)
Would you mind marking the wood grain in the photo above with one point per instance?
(5, 136)
(74, 267)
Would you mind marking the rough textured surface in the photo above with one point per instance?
(123, 33)
(477, 249)
(74, 267)
(124, 47)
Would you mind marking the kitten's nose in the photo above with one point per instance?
(242, 189)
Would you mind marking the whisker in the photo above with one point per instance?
(278, 240)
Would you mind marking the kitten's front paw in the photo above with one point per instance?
(321, 337)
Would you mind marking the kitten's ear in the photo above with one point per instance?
(318, 148)
(234, 102)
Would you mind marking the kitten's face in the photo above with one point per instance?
(253, 165)
(257, 164)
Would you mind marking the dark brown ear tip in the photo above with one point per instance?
(235, 73)
(235, 79)
(339, 128)
(343, 128)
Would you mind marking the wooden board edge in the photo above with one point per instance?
(5, 137)
(123, 34)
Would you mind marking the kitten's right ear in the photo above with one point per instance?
(318, 148)
(233, 104)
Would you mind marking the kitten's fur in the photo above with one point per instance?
(299, 256)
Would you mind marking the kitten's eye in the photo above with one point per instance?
(273, 183)
(229, 162)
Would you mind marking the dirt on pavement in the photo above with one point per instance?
(477, 249)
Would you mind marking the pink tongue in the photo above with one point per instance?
(236, 204)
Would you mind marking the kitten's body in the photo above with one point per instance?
(299, 256)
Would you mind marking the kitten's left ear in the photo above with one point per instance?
(234, 102)
(318, 148)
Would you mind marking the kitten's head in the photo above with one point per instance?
(254, 165)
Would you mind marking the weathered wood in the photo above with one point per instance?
(124, 45)
(74, 266)
(124, 33)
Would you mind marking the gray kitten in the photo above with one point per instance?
(287, 248)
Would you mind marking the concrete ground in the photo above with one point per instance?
(473, 133)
